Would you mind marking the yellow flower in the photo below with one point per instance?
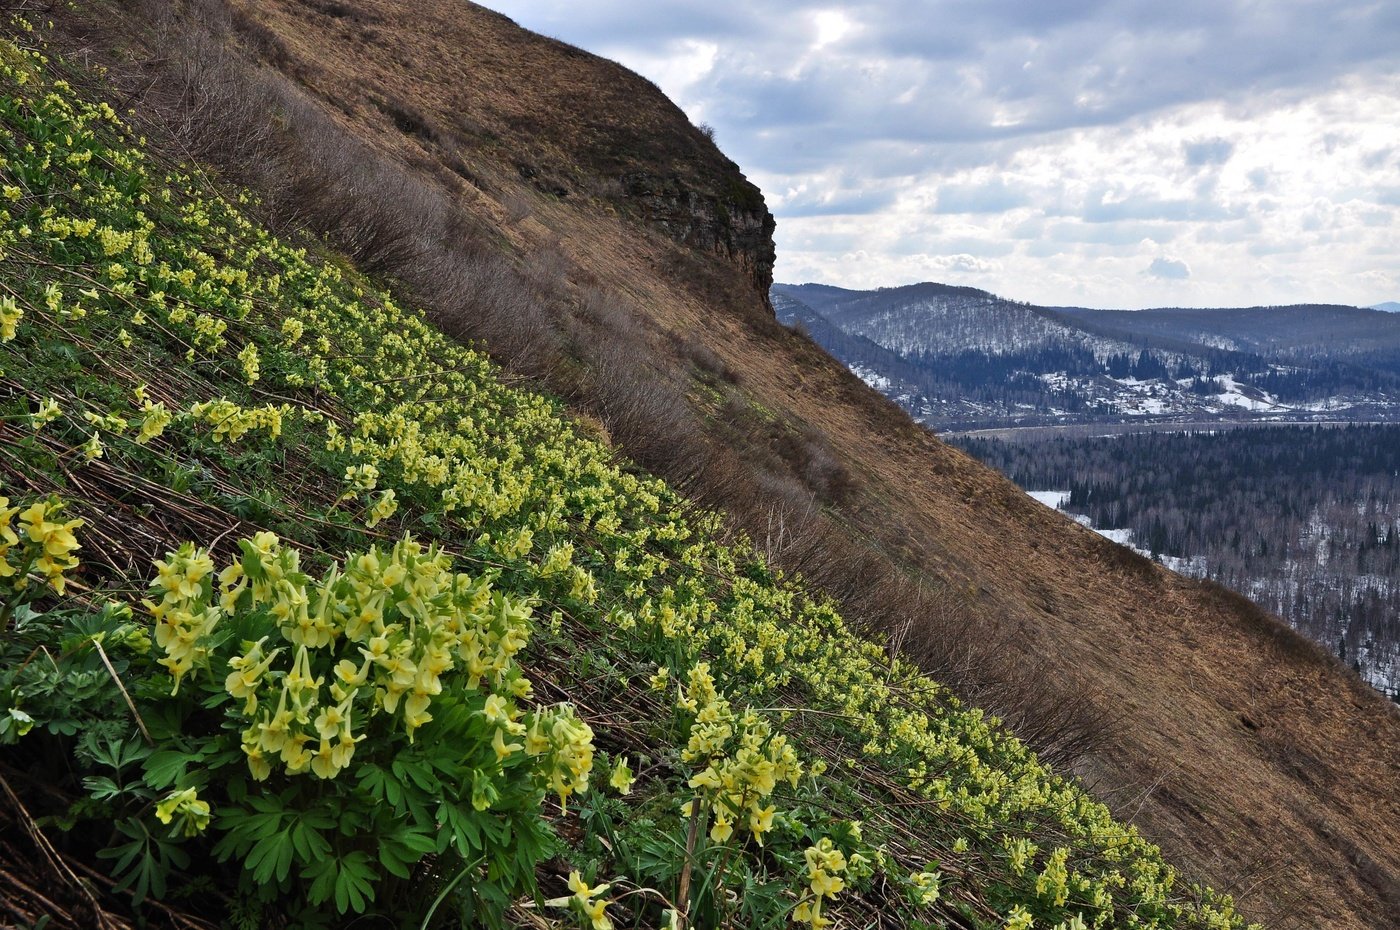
(621, 778)
(193, 813)
(92, 449)
(10, 315)
(258, 763)
(926, 886)
(503, 749)
(415, 712)
(56, 541)
(496, 710)
(48, 410)
(1019, 919)
(384, 508)
(333, 720)
(761, 820)
(323, 763)
(155, 421)
(593, 910)
(248, 358)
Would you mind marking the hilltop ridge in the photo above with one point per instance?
(960, 358)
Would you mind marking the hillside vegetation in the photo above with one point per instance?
(308, 614)
(490, 175)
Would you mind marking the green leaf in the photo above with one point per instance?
(165, 767)
(403, 848)
(101, 788)
(309, 844)
(271, 856)
(461, 829)
(349, 879)
(353, 886)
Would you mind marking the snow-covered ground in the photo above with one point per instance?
(876, 380)
(1052, 499)
(1124, 537)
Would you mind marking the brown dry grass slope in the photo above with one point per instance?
(1254, 759)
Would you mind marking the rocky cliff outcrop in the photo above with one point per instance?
(734, 223)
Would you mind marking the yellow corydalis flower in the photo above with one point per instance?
(588, 901)
(156, 418)
(10, 315)
(384, 507)
(248, 358)
(47, 412)
(55, 540)
(192, 813)
(621, 778)
(8, 538)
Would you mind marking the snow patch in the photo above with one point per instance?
(1052, 499)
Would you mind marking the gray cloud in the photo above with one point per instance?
(1140, 207)
(1208, 152)
(1170, 269)
(994, 196)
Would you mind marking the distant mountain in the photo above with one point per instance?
(958, 357)
(1390, 306)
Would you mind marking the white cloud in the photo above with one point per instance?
(1046, 139)
(963, 264)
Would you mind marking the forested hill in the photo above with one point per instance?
(959, 357)
(1304, 520)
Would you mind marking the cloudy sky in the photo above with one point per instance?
(1109, 153)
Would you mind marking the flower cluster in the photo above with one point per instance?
(925, 886)
(44, 541)
(375, 637)
(826, 866)
(232, 422)
(10, 315)
(565, 744)
(741, 759)
(185, 615)
(183, 808)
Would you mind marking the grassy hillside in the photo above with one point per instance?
(309, 614)
(1260, 767)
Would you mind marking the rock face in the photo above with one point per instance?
(734, 223)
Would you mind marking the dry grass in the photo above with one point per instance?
(413, 133)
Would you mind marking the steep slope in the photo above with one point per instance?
(387, 701)
(1252, 758)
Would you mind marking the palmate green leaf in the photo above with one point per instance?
(165, 767)
(348, 879)
(115, 754)
(382, 785)
(420, 773)
(143, 863)
(101, 788)
(403, 848)
(308, 843)
(270, 857)
(459, 830)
